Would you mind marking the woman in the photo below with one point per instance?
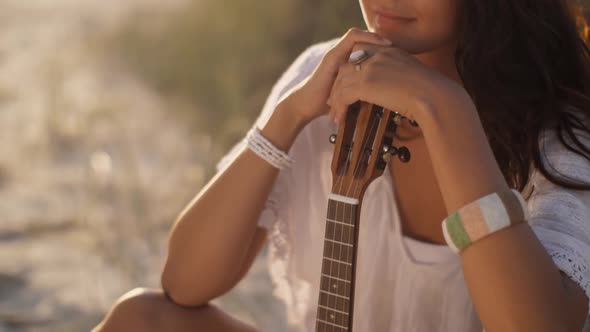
(482, 79)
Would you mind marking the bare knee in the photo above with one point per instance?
(140, 309)
(145, 310)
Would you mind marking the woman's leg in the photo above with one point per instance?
(147, 310)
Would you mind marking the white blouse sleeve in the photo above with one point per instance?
(303, 65)
(560, 217)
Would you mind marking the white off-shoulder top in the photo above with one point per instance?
(402, 284)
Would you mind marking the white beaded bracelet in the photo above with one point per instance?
(267, 151)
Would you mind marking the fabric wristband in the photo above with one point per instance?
(483, 217)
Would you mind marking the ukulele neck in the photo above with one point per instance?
(362, 148)
(336, 298)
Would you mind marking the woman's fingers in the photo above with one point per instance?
(345, 94)
(343, 73)
(340, 57)
(315, 91)
(342, 91)
(347, 97)
(341, 51)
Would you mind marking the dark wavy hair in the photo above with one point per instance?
(526, 65)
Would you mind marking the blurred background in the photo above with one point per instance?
(112, 118)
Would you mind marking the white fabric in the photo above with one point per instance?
(402, 284)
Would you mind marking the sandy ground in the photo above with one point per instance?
(87, 192)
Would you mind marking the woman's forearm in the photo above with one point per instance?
(512, 281)
(212, 235)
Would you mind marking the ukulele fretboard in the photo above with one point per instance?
(336, 297)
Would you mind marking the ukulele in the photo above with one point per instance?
(363, 147)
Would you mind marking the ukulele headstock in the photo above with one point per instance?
(363, 147)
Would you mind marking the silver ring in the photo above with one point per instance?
(357, 57)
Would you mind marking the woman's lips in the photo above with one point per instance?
(385, 20)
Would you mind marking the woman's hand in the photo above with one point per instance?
(392, 78)
(308, 98)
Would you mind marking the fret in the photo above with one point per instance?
(328, 276)
(342, 312)
(339, 232)
(327, 326)
(342, 243)
(330, 300)
(336, 269)
(333, 317)
(338, 251)
(344, 297)
(340, 222)
(335, 285)
(337, 261)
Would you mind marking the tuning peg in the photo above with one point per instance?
(333, 138)
(403, 154)
(389, 149)
(398, 118)
(386, 157)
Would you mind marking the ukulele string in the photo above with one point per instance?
(375, 122)
(338, 187)
(351, 233)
